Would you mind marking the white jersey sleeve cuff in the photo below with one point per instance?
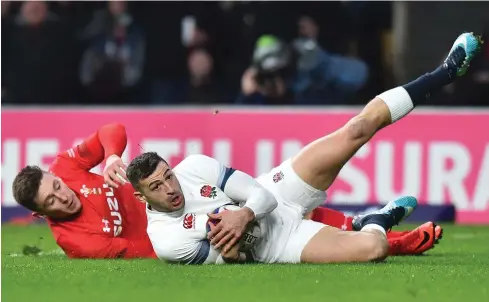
(244, 189)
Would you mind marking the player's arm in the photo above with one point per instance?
(101, 247)
(244, 189)
(183, 241)
(238, 185)
(109, 140)
(181, 252)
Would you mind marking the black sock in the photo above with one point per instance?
(386, 221)
(421, 89)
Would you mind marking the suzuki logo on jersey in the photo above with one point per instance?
(189, 221)
(114, 210)
(208, 191)
(86, 191)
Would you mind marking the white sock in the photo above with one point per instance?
(398, 101)
(372, 226)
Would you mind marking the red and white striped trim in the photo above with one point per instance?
(71, 152)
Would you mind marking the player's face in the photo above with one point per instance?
(55, 199)
(162, 190)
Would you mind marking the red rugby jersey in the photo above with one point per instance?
(112, 222)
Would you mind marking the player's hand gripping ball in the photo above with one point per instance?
(252, 235)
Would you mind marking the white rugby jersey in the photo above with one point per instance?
(182, 236)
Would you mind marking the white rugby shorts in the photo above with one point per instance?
(286, 232)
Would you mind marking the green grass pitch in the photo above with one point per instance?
(456, 270)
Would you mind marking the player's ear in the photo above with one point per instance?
(38, 215)
(139, 196)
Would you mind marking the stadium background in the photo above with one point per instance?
(174, 74)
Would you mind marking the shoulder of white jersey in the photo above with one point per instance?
(189, 162)
(197, 166)
(205, 168)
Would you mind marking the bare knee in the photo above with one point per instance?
(377, 248)
(360, 128)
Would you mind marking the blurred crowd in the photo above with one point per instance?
(229, 52)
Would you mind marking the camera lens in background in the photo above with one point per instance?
(270, 54)
(308, 53)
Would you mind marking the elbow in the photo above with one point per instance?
(114, 130)
(114, 127)
(273, 200)
(261, 202)
(117, 127)
(270, 199)
(120, 128)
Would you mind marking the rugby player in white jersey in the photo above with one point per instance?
(179, 200)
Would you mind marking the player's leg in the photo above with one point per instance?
(313, 242)
(409, 242)
(302, 180)
(319, 163)
(319, 244)
(332, 245)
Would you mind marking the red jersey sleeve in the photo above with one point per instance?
(108, 140)
(100, 247)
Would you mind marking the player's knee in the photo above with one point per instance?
(377, 248)
(360, 128)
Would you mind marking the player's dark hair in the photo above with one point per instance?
(25, 186)
(143, 166)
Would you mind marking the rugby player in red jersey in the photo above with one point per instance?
(90, 216)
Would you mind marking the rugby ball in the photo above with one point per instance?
(252, 235)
